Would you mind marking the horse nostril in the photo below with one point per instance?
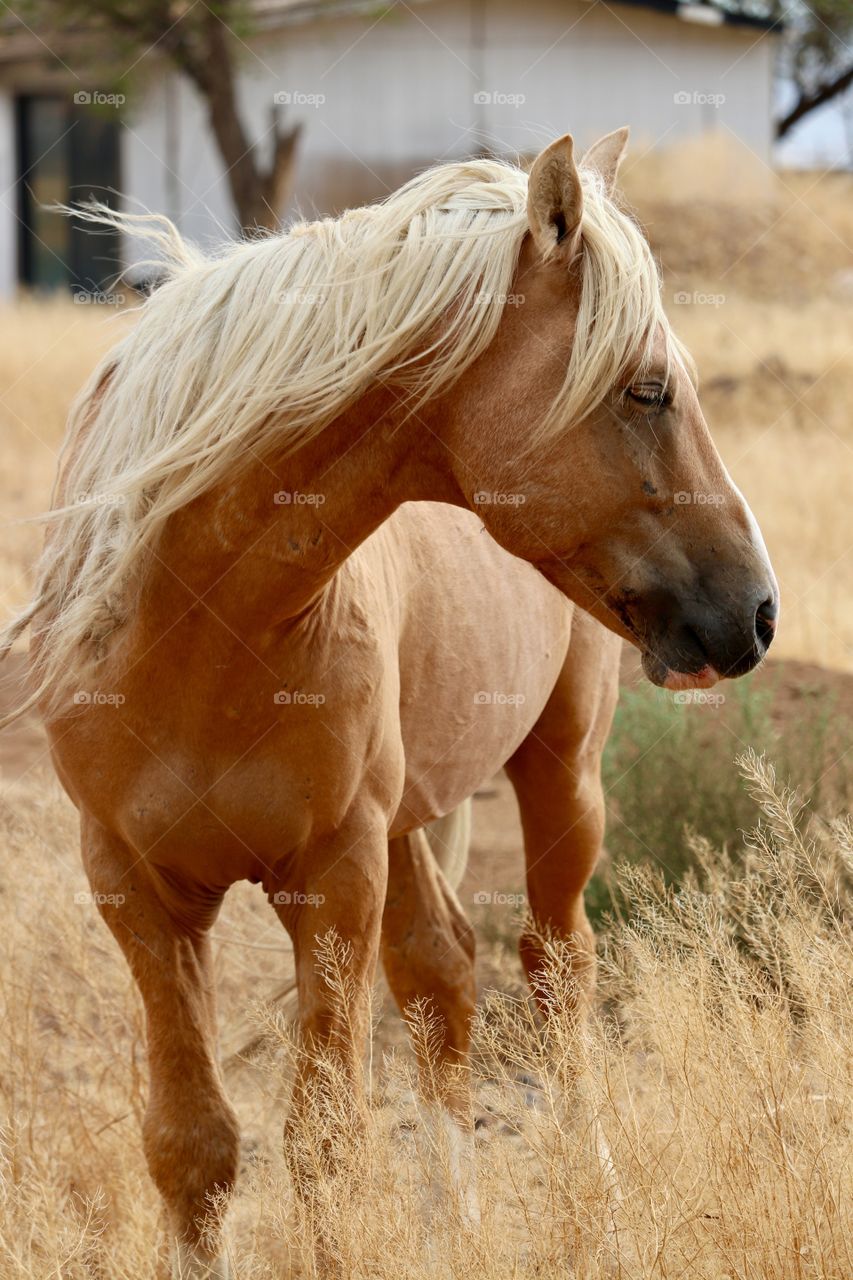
(765, 623)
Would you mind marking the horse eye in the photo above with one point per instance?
(650, 394)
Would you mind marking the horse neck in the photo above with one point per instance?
(264, 546)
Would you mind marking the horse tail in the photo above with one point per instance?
(450, 839)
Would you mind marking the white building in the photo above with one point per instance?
(381, 93)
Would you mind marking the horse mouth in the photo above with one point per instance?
(665, 677)
(685, 670)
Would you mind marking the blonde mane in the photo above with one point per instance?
(259, 348)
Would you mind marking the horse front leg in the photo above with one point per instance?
(332, 908)
(556, 774)
(190, 1133)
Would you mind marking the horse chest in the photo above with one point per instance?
(480, 653)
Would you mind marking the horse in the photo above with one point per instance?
(355, 515)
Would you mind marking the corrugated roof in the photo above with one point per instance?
(20, 43)
(690, 10)
(710, 14)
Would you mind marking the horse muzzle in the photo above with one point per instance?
(692, 646)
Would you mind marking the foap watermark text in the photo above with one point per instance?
(682, 498)
(482, 498)
(485, 898)
(286, 498)
(498, 698)
(699, 698)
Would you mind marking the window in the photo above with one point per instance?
(67, 152)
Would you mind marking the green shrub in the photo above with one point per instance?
(669, 766)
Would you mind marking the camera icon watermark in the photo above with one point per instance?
(684, 499)
(303, 297)
(97, 298)
(495, 98)
(98, 698)
(100, 499)
(96, 98)
(86, 899)
(286, 498)
(298, 698)
(485, 299)
(297, 98)
(284, 898)
(697, 299)
(497, 698)
(695, 98)
(699, 698)
(484, 498)
(485, 898)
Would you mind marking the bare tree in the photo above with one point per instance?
(817, 57)
(204, 41)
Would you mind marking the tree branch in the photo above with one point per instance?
(258, 193)
(810, 101)
(199, 42)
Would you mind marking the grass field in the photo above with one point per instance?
(718, 1070)
(718, 1066)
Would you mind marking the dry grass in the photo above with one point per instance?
(764, 261)
(47, 350)
(719, 1068)
(719, 1074)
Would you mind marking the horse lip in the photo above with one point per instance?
(705, 678)
(665, 677)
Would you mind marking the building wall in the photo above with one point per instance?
(380, 97)
(590, 68)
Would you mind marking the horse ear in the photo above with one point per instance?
(555, 199)
(606, 155)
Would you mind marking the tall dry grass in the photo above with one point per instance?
(48, 347)
(758, 270)
(718, 1071)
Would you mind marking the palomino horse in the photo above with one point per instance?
(336, 527)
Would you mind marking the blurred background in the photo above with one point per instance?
(241, 113)
(235, 115)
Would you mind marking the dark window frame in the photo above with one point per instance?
(91, 145)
